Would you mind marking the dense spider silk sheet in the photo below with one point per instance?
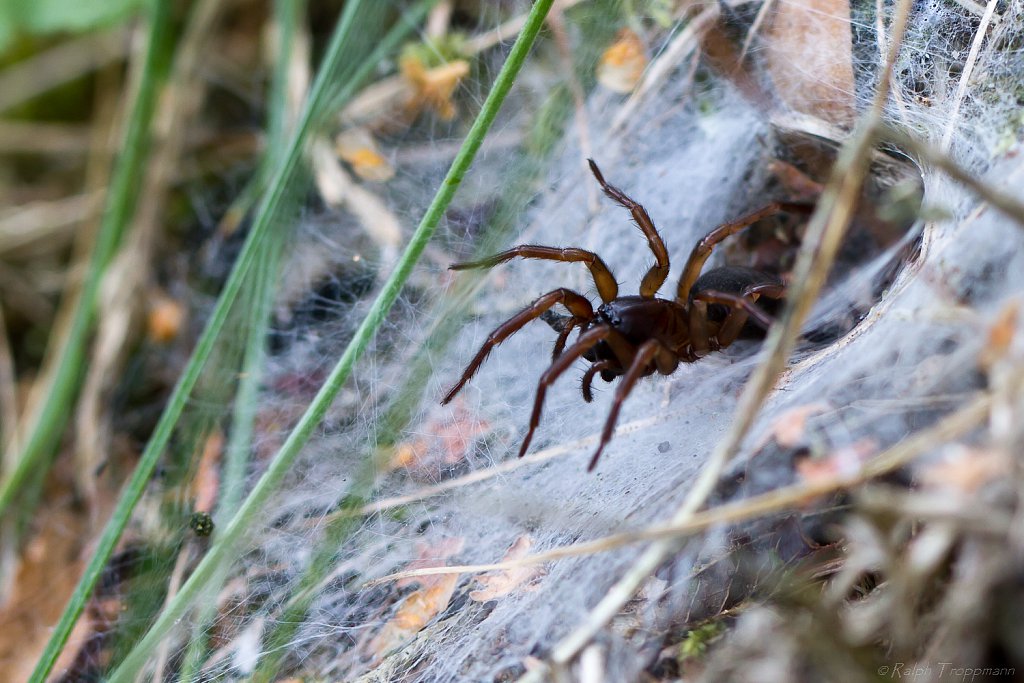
(695, 154)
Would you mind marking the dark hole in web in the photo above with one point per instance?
(885, 212)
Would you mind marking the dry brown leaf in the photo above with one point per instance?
(500, 584)
(623, 63)
(338, 188)
(358, 149)
(443, 442)
(420, 606)
(1000, 334)
(788, 429)
(966, 469)
(808, 56)
(433, 88)
(415, 612)
(206, 483)
(42, 582)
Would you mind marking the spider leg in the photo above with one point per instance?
(584, 343)
(733, 323)
(702, 250)
(607, 287)
(741, 307)
(657, 273)
(576, 303)
(645, 354)
(698, 323)
(563, 336)
(588, 378)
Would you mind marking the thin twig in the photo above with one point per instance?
(755, 28)
(162, 654)
(34, 137)
(883, 51)
(965, 76)
(978, 10)
(8, 399)
(51, 223)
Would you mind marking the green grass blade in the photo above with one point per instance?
(287, 14)
(48, 425)
(321, 93)
(224, 543)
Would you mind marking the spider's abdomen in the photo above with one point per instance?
(731, 279)
(734, 280)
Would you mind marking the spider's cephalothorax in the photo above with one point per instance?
(634, 336)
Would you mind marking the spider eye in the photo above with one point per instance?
(609, 315)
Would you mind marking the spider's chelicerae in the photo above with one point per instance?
(633, 336)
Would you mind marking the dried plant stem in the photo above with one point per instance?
(8, 398)
(965, 76)
(947, 429)
(755, 28)
(120, 300)
(60, 64)
(49, 223)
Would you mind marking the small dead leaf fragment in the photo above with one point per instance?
(206, 483)
(415, 612)
(789, 427)
(166, 316)
(500, 584)
(623, 63)
(338, 188)
(443, 442)
(1000, 334)
(966, 469)
(433, 88)
(358, 149)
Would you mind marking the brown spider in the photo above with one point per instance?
(633, 336)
